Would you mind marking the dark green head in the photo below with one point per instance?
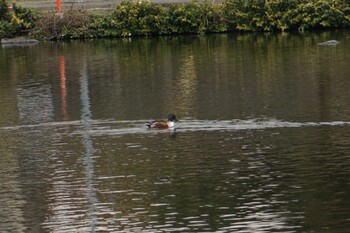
(172, 117)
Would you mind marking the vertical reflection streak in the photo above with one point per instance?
(88, 146)
(63, 85)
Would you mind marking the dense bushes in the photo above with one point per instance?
(133, 18)
(264, 15)
(16, 21)
(145, 18)
(6, 27)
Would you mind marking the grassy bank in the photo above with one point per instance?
(145, 18)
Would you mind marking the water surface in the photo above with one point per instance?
(262, 144)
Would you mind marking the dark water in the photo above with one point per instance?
(262, 144)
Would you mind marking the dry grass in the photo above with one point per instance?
(74, 24)
(31, 0)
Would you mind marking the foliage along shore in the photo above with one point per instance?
(145, 18)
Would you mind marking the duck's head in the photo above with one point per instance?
(172, 117)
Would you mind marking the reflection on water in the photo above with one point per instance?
(105, 177)
(262, 143)
(186, 85)
(261, 176)
(34, 102)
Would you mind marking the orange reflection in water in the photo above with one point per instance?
(63, 86)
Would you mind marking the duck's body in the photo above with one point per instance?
(169, 124)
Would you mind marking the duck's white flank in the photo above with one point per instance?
(171, 124)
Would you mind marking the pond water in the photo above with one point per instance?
(262, 144)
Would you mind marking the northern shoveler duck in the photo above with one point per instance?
(170, 123)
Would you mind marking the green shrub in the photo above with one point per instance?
(319, 14)
(24, 18)
(146, 18)
(268, 15)
(133, 18)
(186, 18)
(195, 17)
(4, 10)
(277, 13)
(247, 15)
(7, 29)
(15, 22)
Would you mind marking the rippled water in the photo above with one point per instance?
(219, 176)
(262, 144)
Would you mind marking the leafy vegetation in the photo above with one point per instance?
(145, 18)
(272, 15)
(195, 18)
(17, 21)
(133, 18)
